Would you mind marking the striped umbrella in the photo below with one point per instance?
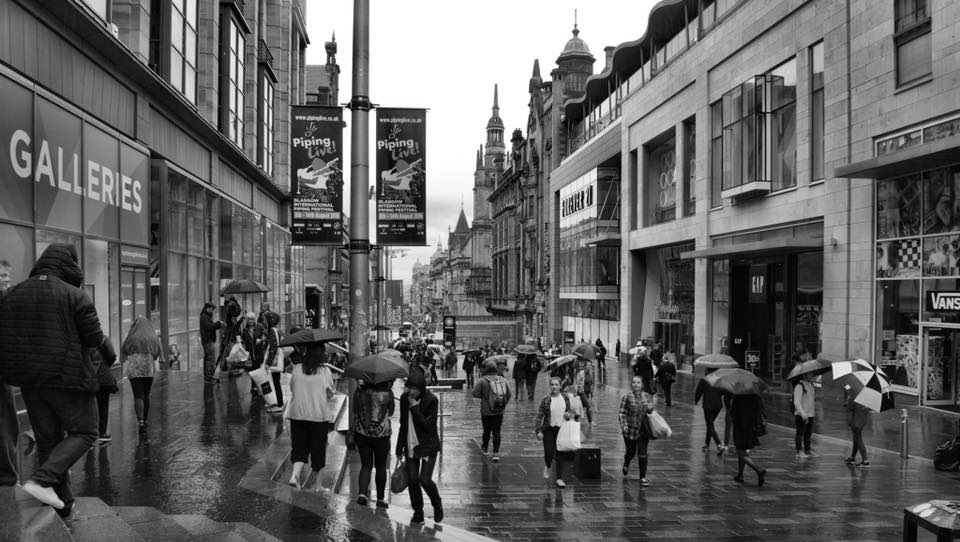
(866, 383)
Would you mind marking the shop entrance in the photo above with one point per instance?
(941, 351)
(133, 297)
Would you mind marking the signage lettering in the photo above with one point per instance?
(943, 301)
(401, 179)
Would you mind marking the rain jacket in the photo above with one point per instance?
(424, 420)
(483, 390)
(46, 322)
(804, 396)
(712, 397)
(140, 350)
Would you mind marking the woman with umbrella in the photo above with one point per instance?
(857, 415)
(746, 413)
(370, 419)
(804, 396)
(309, 412)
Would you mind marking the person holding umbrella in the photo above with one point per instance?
(534, 366)
(804, 395)
(419, 443)
(746, 413)
(712, 405)
(643, 367)
(857, 415)
(469, 365)
(520, 372)
(309, 412)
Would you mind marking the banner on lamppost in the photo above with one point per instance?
(316, 165)
(401, 180)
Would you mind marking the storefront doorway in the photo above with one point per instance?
(941, 347)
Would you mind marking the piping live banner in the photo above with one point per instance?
(316, 161)
(401, 177)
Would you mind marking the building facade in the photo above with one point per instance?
(148, 134)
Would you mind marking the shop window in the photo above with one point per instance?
(45, 238)
(177, 294)
(898, 207)
(16, 255)
(716, 154)
(940, 313)
(265, 117)
(661, 181)
(16, 169)
(232, 68)
(816, 112)
(211, 225)
(226, 230)
(690, 157)
(101, 281)
(781, 88)
(102, 174)
(194, 207)
(183, 48)
(912, 39)
(176, 216)
(898, 308)
(135, 221)
(59, 182)
(941, 200)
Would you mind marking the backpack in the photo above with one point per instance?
(947, 456)
(497, 399)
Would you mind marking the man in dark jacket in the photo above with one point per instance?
(643, 367)
(419, 443)
(208, 339)
(712, 404)
(666, 376)
(46, 322)
(494, 394)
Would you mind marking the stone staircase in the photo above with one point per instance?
(96, 521)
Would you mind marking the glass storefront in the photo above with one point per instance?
(917, 277)
(673, 316)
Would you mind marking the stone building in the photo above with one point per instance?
(151, 136)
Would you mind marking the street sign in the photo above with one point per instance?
(449, 330)
(568, 337)
(752, 360)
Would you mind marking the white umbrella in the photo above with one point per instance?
(843, 368)
(867, 384)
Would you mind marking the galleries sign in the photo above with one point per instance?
(401, 177)
(316, 162)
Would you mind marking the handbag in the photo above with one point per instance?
(646, 428)
(106, 379)
(399, 480)
(761, 428)
(658, 425)
(568, 438)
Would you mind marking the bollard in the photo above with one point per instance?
(904, 439)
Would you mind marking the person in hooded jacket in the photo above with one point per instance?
(418, 443)
(520, 373)
(712, 405)
(491, 416)
(141, 354)
(108, 386)
(643, 367)
(208, 340)
(46, 322)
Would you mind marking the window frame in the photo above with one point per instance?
(179, 51)
(266, 119)
(233, 46)
(817, 112)
(908, 28)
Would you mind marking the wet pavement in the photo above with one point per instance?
(212, 451)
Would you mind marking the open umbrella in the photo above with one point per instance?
(637, 349)
(866, 383)
(383, 366)
(843, 368)
(244, 286)
(499, 359)
(716, 361)
(736, 381)
(560, 361)
(311, 335)
(587, 350)
(525, 349)
(470, 351)
(813, 367)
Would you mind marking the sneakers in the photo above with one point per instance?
(46, 495)
(863, 464)
(485, 451)
(275, 408)
(382, 504)
(625, 470)
(495, 458)
(705, 448)
(760, 477)
(417, 518)
(546, 473)
(721, 450)
(561, 483)
(803, 455)
(68, 509)
(142, 427)
(738, 478)
(438, 514)
(850, 460)
(105, 438)
(644, 482)
(362, 500)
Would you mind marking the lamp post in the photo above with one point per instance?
(359, 245)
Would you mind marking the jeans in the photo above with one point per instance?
(636, 447)
(531, 384)
(373, 452)
(804, 432)
(9, 432)
(209, 360)
(309, 440)
(550, 453)
(667, 399)
(141, 396)
(709, 416)
(858, 445)
(52, 413)
(103, 411)
(420, 479)
(518, 385)
(491, 424)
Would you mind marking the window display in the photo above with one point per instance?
(898, 319)
(898, 207)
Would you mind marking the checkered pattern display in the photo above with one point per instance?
(909, 254)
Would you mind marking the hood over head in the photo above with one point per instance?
(271, 318)
(62, 261)
(416, 380)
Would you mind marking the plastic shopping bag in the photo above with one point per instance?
(261, 377)
(568, 439)
(238, 355)
(659, 426)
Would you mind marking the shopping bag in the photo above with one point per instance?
(658, 425)
(646, 428)
(568, 439)
(264, 382)
(238, 355)
(285, 379)
(398, 480)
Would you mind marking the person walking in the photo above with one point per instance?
(856, 420)
(208, 339)
(252, 338)
(666, 376)
(419, 443)
(520, 373)
(534, 366)
(633, 407)
(273, 361)
(553, 411)
(747, 414)
(617, 350)
(141, 352)
(712, 405)
(643, 367)
(579, 389)
(309, 412)
(494, 394)
(469, 366)
(46, 322)
(601, 354)
(107, 385)
(370, 423)
(804, 396)
(230, 335)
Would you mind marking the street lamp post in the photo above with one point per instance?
(359, 245)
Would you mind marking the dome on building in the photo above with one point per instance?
(575, 47)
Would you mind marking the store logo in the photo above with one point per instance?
(943, 301)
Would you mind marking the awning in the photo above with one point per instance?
(755, 247)
(608, 238)
(942, 152)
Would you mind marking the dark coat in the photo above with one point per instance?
(747, 413)
(712, 397)
(644, 369)
(46, 322)
(208, 328)
(424, 421)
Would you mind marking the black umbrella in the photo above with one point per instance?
(736, 381)
(470, 351)
(560, 361)
(244, 286)
(383, 366)
(587, 350)
(311, 335)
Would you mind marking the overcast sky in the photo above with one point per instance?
(446, 56)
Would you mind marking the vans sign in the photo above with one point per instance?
(940, 301)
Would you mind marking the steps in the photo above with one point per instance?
(96, 521)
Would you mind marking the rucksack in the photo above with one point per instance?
(947, 456)
(497, 399)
